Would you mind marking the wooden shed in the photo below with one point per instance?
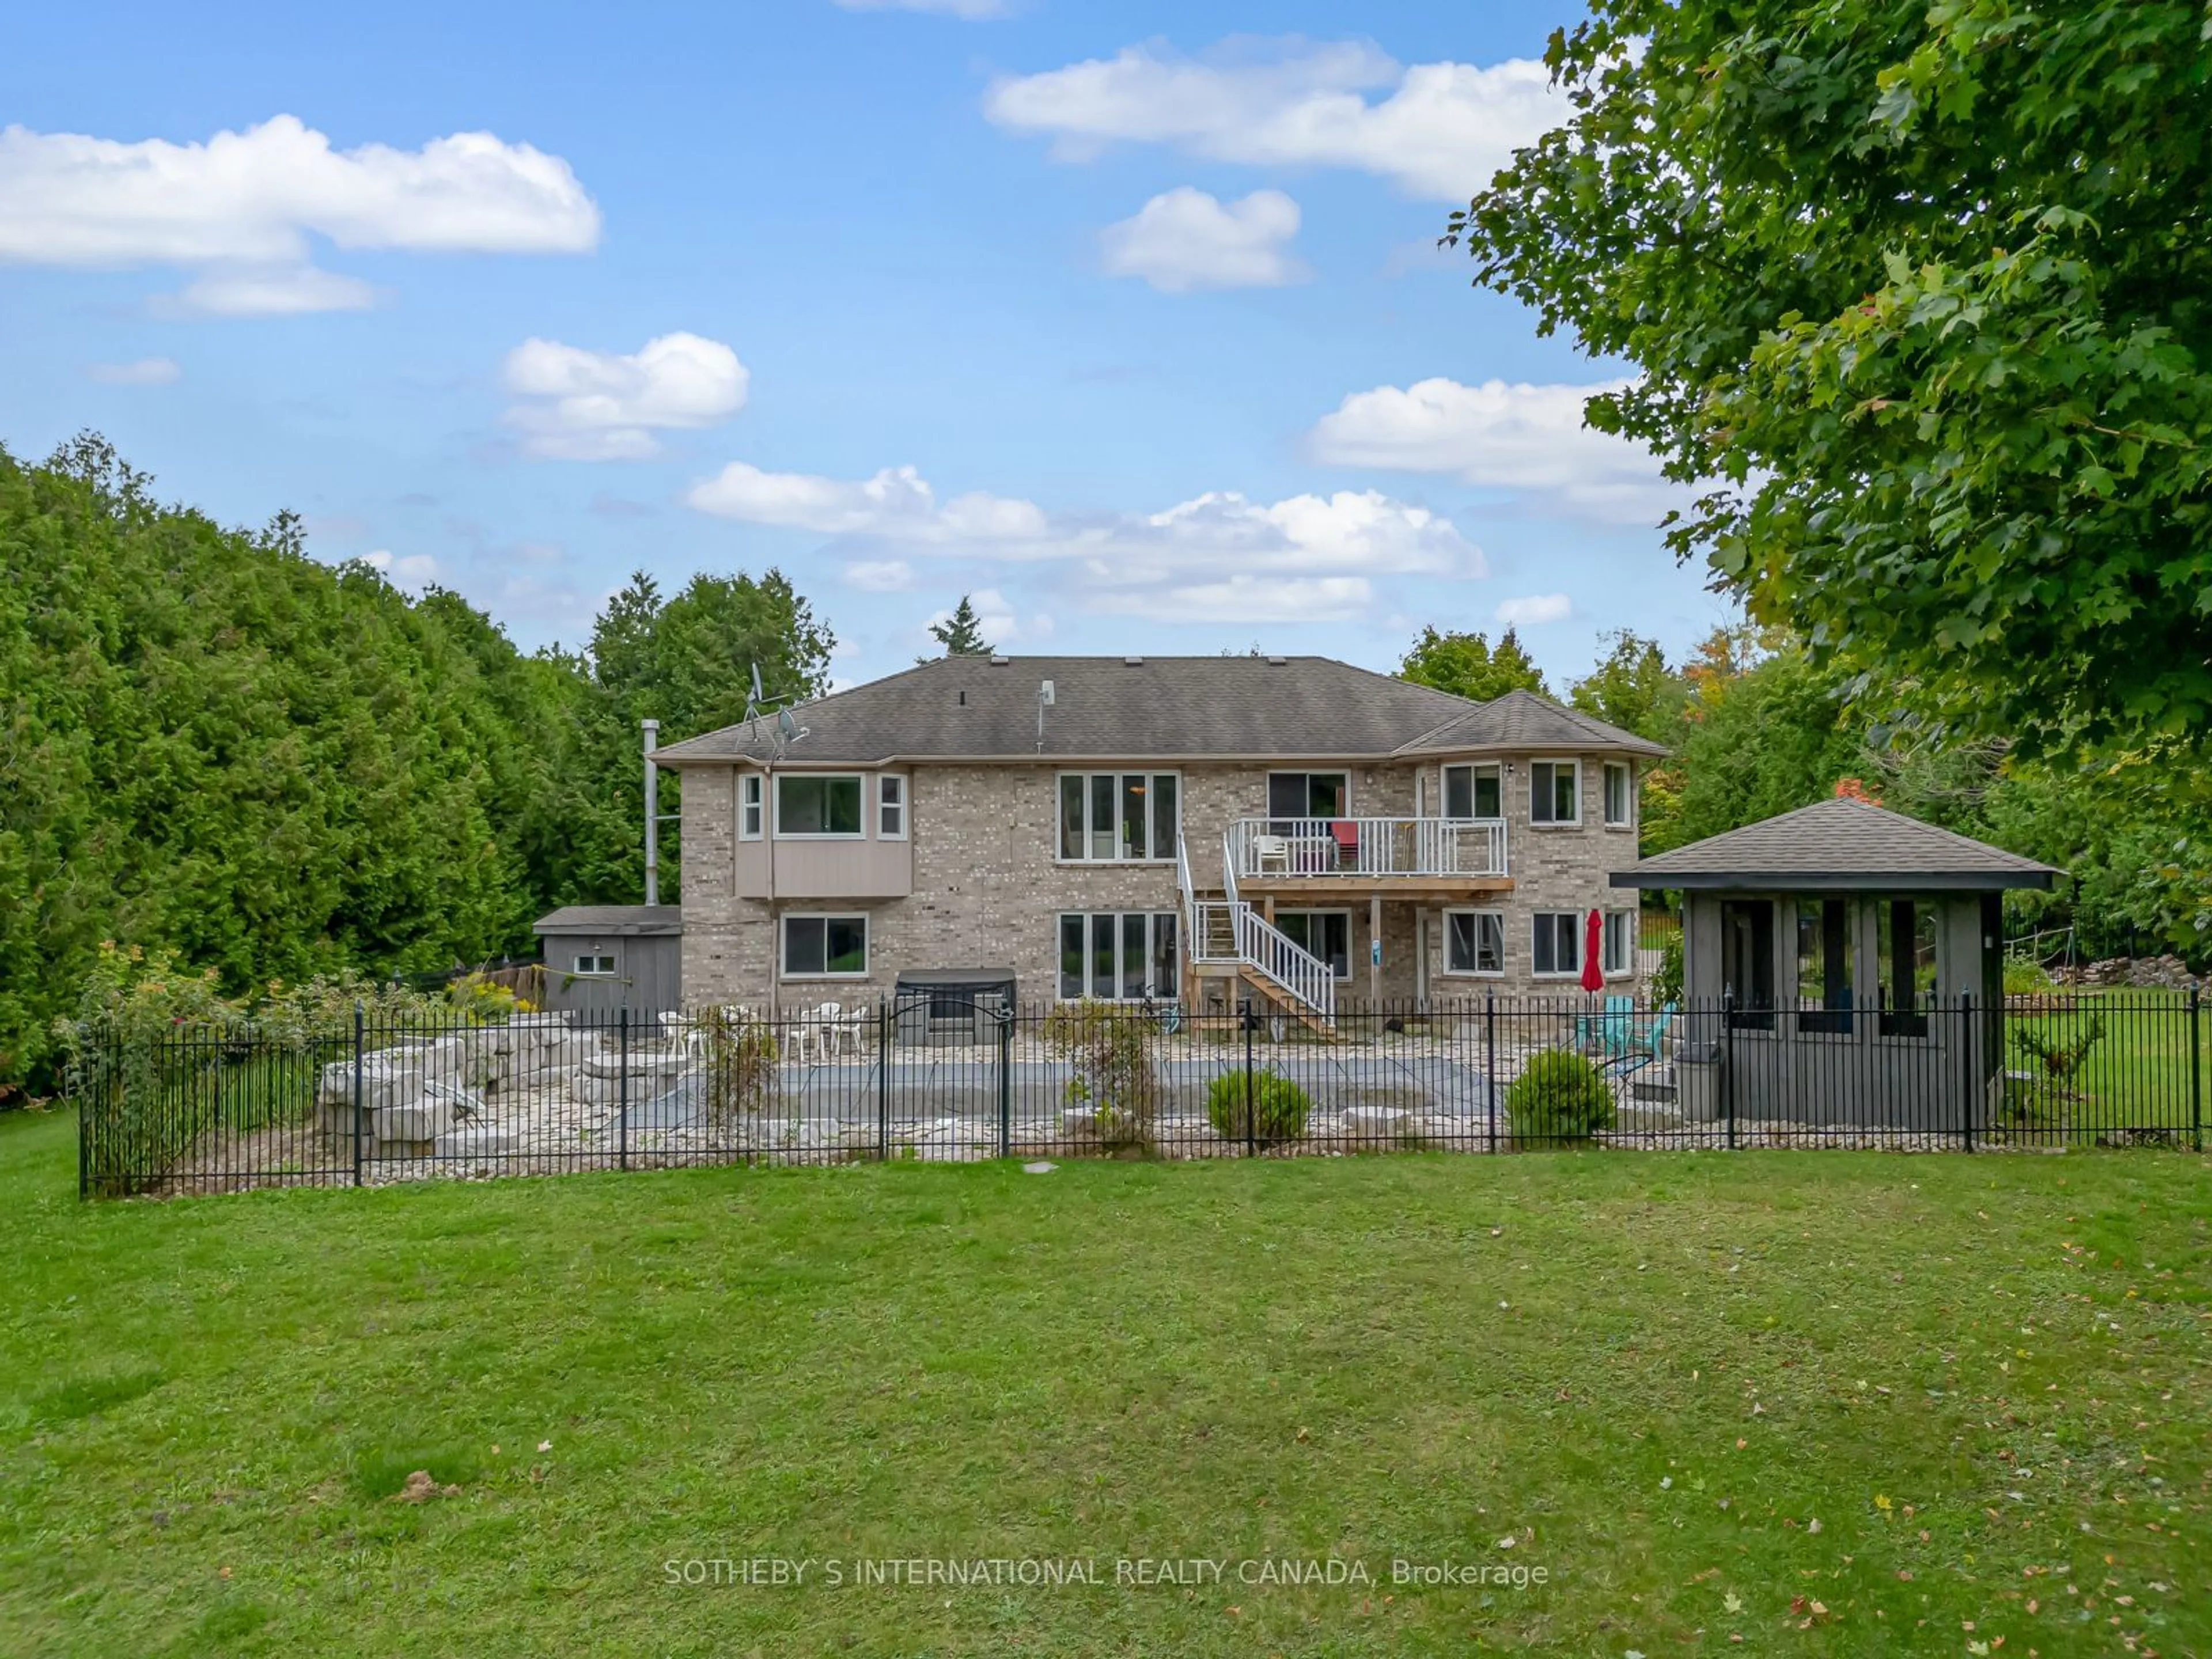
(600, 958)
(1842, 963)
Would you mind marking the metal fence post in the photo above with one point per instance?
(882, 1080)
(358, 1124)
(621, 1093)
(1251, 1129)
(1490, 1061)
(2195, 1073)
(1005, 1083)
(1967, 1049)
(1727, 1066)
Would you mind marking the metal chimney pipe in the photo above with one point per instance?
(652, 813)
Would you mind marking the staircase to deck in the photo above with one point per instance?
(1229, 938)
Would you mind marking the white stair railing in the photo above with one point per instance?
(1229, 930)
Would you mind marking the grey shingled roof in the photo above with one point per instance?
(1108, 707)
(618, 918)
(1522, 722)
(1839, 845)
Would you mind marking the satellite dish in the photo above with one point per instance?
(785, 725)
(756, 684)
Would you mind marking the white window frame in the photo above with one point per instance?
(1153, 854)
(891, 808)
(1536, 920)
(1477, 972)
(1626, 922)
(1627, 818)
(859, 783)
(752, 813)
(1574, 823)
(783, 968)
(1350, 960)
(1155, 922)
(594, 971)
(1474, 769)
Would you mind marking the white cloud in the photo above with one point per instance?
(1217, 556)
(897, 504)
(1437, 130)
(1187, 239)
(879, 575)
(245, 204)
(1529, 438)
(1247, 599)
(968, 10)
(1534, 608)
(267, 291)
(146, 371)
(411, 569)
(583, 405)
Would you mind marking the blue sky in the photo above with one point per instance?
(1128, 317)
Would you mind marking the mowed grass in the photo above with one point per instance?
(2139, 1074)
(1820, 1402)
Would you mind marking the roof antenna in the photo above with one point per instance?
(786, 731)
(1045, 699)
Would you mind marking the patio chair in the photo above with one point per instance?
(1610, 1033)
(1345, 834)
(1273, 852)
(1646, 1047)
(834, 1029)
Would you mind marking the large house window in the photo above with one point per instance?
(1295, 795)
(1110, 816)
(1117, 955)
(1474, 942)
(1906, 930)
(1555, 792)
(1748, 962)
(818, 803)
(749, 807)
(1473, 792)
(890, 807)
(1618, 942)
(1556, 943)
(1323, 933)
(833, 947)
(1824, 965)
(1619, 797)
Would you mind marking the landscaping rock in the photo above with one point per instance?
(1379, 1123)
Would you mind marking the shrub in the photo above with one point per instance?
(2024, 977)
(1560, 1096)
(738, 1060)
(1279, 1108)
(1110, 1045)
(1666, 982)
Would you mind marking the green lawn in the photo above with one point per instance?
(2136, 1071)
(1825, 1402)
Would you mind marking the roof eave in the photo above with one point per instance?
(1800, 881)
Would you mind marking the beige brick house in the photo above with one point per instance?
(1293, 829)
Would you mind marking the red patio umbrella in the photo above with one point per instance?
(1593, 943)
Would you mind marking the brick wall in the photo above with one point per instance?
(988, 890)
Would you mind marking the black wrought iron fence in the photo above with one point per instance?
(213, 1109)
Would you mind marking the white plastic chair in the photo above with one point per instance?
(1274, 853)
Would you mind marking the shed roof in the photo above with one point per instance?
(985, 708)
(1841, 845)
(641, 920)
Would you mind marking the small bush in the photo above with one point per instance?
(738, 1060)
(2024, 977)
(1666, 982)
(1560, 1096)
(1279, 1108)
(1110, 1045)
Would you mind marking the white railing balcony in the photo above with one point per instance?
(1262, 850)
